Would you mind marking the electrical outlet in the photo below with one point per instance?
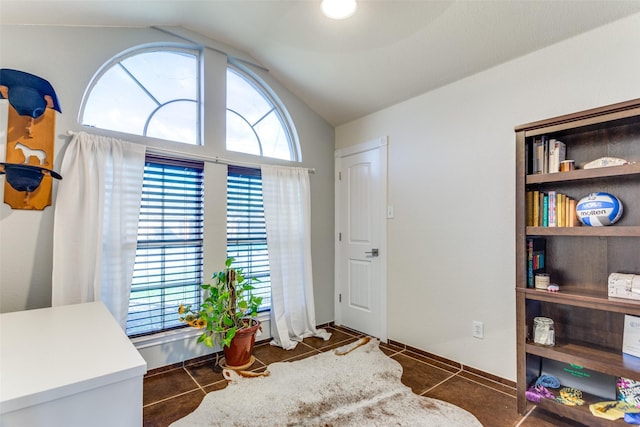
(477, 329)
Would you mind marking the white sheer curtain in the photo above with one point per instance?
(287, 211)
(96, 222)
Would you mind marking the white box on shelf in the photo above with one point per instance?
(624, 286)
(631, 336)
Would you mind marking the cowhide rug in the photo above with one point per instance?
(355, 385)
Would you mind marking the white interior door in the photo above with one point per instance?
(361, 212)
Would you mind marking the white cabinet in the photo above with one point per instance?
(68, 366)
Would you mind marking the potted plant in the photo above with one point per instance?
(227, 315)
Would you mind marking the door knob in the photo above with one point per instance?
(372, 252)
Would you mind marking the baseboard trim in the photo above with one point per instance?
(453, 363)
(400, 346)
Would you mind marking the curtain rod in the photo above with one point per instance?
(209, 159)
(201, 157)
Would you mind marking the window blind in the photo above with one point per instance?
(246, 230)
(168, 266)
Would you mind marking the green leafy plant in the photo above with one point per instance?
(229, 305)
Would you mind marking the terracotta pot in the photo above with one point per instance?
(239, 353)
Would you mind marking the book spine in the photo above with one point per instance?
(572, 213)
(562, 153)
(536, 208)
(528, 157)
(539, 154)
(529, 201)
(545, 155)
(529, 263)
(552, 215)
(553, 156)
(545, 211)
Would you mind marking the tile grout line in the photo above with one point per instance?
(440, 383)
(455, 374)
(498, 383)
(196, 381)
(458, 370)
(166, 399)
(525, 417)
(485, 385)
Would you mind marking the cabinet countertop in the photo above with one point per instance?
(50, 353)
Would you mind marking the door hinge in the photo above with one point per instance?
(339, 176)
(339, 237)
(339, 297)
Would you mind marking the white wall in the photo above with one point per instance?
(451, 182)
(68, 57)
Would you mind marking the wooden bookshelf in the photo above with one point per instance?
(588, 324)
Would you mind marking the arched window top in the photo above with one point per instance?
(154, 90)
(148, 91)
(256, 122)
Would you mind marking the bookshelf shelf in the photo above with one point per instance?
(580, 413)
(584, 174)
(590, 357)
(583, 298)
(588, 324)
(612, 231)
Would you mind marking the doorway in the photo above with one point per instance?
(361, 242)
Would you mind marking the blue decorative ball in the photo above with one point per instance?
(599, 209)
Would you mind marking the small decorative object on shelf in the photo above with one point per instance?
(624, 286)
(567, 165)
(543, 332)
(542, 281)
(604, 162)
(599, 209)
(629, 391)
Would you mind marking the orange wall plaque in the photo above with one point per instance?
(30, 141)
(30, 132)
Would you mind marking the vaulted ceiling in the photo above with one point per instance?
(389, 51)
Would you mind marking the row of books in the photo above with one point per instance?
(545, 154)
(550, 209)
(536, 247)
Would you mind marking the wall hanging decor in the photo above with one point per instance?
(30, 130)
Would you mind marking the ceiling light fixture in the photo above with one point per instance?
(338, 9)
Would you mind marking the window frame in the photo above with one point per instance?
(169, 244)
(181, 150)
(196, 51)
(281, 112)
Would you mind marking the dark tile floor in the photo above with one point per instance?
(172, 392)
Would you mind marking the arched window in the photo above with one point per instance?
(151, 91)
(155, 90)
(256, 124)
